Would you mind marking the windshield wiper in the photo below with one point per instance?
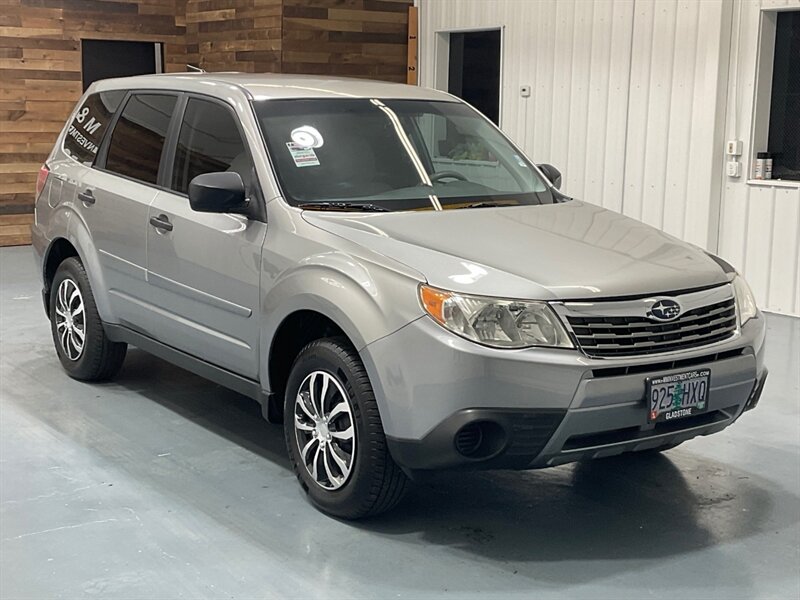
(489, 204)
(332, 205)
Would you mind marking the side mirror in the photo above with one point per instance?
(553, 174)
(218, 193)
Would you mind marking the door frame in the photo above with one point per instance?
(441, 59)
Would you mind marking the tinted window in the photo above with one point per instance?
(209, 142)
(89, 125)
(138, 137)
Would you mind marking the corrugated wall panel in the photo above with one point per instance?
(760, 225)
(575, 55)
(624, 97)
(678, 73)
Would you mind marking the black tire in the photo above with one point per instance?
(99, 358)
(375, 483)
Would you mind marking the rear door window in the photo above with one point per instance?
(89, 125)
(138, 138)
(209, 141)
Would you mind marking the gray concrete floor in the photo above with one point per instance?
(162, 485)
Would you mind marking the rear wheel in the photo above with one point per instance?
(334, 433)
(81, 343)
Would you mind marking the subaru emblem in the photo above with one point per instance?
(665, 310)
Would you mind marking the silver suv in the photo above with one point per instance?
(387, 274)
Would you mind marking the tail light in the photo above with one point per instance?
(41, 179)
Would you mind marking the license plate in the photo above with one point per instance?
(677, 396)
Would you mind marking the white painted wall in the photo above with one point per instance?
(629, 99)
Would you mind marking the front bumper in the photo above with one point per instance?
(541, 407)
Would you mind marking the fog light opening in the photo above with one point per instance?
(480, 439)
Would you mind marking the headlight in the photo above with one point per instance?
(495, 322)
(745, 302)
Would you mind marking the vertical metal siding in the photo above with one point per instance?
(678, 72)
(629, 101)
(624, 97)
(760, 225)
(575, 55)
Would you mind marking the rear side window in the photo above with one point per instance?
(138, 137)
(209, 142)
(87, 128)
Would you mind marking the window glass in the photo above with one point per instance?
(209, 142)
(394, 155)
(462, 151)
(784, 114)
(138, 137)
(87, 128)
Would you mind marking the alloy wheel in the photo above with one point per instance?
(70, 319)
(325, 430)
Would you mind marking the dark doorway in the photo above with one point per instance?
(474, 72)
(102, 59)
(784, 114)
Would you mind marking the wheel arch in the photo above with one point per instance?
(317, 301)
(57, 252)
(76, 241)
(295, 331)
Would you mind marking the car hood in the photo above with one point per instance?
(570, 250)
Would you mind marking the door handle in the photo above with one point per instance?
(161, 222)
(87, 197)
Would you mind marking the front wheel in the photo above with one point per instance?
(334, 433)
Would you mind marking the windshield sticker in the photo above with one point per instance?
(307, 137)
(519, 160)
(303, 157)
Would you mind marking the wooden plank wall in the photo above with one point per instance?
(354, 38)
(234, 35)
(357, 38)
(40, 60)
(40, 80)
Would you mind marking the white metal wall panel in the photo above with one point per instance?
(575, 54)
(760, 225)
(629, 102)
(672, 161)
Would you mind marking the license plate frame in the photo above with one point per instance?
(687, 393)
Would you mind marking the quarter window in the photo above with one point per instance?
(89, 125)
(138, 137)
(209, 142)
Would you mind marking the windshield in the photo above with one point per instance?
(369, 154)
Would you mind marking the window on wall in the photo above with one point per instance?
(784, 115)
(776, 119)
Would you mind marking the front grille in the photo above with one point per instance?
(634, 336)
(666, 365)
